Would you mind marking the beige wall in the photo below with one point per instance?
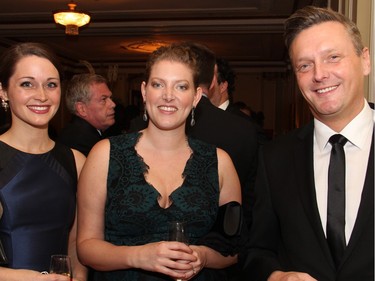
(363, 12)
(365, 23)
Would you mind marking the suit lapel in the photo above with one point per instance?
(365, 214)
(304, 164)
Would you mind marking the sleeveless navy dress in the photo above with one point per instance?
(133, 215)
(38, 198)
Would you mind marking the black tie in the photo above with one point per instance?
(336, 198)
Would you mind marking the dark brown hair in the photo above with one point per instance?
(15, 53)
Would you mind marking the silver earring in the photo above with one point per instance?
(4, 104)
(144, 117)
(192, 121)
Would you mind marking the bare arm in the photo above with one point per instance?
(9, 274)
(230, 190)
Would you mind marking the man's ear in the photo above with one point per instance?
(197, 96)
(214, 80)
(223, 86)
(81, 109)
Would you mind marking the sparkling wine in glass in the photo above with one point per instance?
(61, 264)
(177, 233)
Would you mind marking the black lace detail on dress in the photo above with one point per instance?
(132, 213)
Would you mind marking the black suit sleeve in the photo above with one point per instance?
(263, 244)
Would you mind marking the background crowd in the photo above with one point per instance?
(106, 188)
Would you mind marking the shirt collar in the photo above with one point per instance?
(356, 131)
(224, 105)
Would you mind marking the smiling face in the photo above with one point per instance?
(329, 73)
(33, 92)
(170, 94)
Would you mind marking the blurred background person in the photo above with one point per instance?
(89, 100)
(221, 95)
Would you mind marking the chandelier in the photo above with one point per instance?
(71, 19)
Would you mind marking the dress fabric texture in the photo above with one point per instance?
(38, 197)
(133, 215)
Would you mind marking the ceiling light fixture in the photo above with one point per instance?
(144, 46)
(71, 19)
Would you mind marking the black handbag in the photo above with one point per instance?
(229, 234)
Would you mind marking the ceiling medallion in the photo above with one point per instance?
(144, 46)
(71, 19)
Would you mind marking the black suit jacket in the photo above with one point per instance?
(234, 135)
(261, 135)
(287, 233)
(80, 135)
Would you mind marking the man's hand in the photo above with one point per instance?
(290, 276)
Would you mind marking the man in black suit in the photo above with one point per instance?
(225, 130)
(291, 221)
(89, 99)
(221, 95)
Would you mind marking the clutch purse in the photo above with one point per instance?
(3, 256)
(229, 220)
(228, 235)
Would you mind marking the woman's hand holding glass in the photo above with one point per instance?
(177, 232)
(61, 264)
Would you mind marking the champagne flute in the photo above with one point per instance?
(177, 233)
(60, 264)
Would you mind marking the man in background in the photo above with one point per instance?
(227, 131)
(221, 95)
(89, 99)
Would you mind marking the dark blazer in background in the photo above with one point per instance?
(261, 135)
(80, 135)
(287, 233)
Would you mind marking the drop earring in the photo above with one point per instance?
(192, 121)
(4, 104)
(145, 117)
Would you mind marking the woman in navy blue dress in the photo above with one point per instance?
(38, 177)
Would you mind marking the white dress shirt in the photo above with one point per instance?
(359, 134)
(224, 105)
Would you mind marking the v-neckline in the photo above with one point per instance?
(147, 167)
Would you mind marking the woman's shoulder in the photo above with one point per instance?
(204, 155)
(65, 156)
(127, 139)
(123, 144)
(7, 152)
(201, 147)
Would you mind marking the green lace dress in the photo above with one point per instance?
(133, 215)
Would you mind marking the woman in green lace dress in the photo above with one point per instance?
(133, 185)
